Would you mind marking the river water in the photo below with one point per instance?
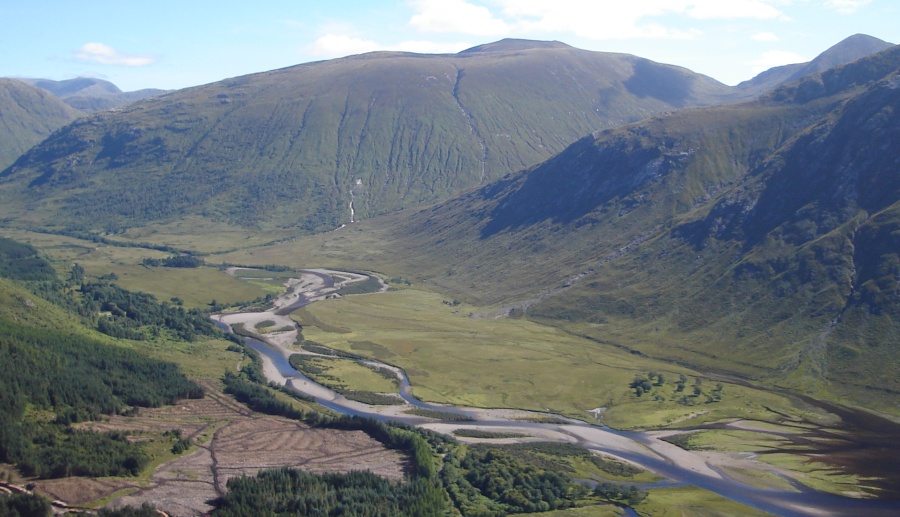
(630, 445)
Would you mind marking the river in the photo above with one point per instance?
(655, 455)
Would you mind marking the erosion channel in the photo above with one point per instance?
(644, 449)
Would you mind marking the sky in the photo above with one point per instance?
(177, 44)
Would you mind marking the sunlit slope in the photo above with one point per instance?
(757, 239)
(293, 147)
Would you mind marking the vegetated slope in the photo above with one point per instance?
(757, 239)
(849, 49)
(88, 94)
(54, 371)
(27, 116)
(294, 147)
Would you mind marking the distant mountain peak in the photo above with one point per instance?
(848, 49)
(513, 44)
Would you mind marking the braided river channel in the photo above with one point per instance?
(677, 466)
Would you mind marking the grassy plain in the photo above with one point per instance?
(485, 362)
(346, 374)
(197, 287)
(696, 502)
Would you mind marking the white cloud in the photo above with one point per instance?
(732, 9)
(846, 6)
(431, 47)
(106, 55)
(337, 45)
(458, 16)
(775, 58)
(594, 19)
(764, 36)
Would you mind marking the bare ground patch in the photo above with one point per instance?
(230, 440)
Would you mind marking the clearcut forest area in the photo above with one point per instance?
(520, 279)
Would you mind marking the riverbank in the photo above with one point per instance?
(704, 469)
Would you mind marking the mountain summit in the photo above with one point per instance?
(847, 50)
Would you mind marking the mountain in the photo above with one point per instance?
(293, 148)
(849, 49)
(89, 94)
(757, 240)
(27, 116)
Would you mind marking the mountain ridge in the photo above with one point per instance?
(849, 49)
(387, 130)
(89, 94)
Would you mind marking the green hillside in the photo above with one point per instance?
(56, 371)
(27, 116)
(292, 148)
(757, 240)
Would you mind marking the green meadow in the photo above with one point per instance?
(451, 357)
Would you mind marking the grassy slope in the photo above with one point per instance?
(29, 115)
(753, 240)
(283, 149)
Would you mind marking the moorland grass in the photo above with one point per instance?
(344, 374)
(693, 501)
(196, 287)
(485, 362)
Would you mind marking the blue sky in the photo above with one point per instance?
(176, 44)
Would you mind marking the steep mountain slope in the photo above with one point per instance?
(88, 94)
(849, 49)
(27, 116)
(757, 239)
(294, 147)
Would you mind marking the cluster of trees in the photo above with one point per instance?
(493, 481)
(129, 314)
(77, 379)
(294, 492)
(24, 505)
(630, 494)
(645, 383)
(51, 378)
(20, 261)
(257, 397)
(183, 261)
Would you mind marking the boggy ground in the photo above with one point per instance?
(230, 440)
